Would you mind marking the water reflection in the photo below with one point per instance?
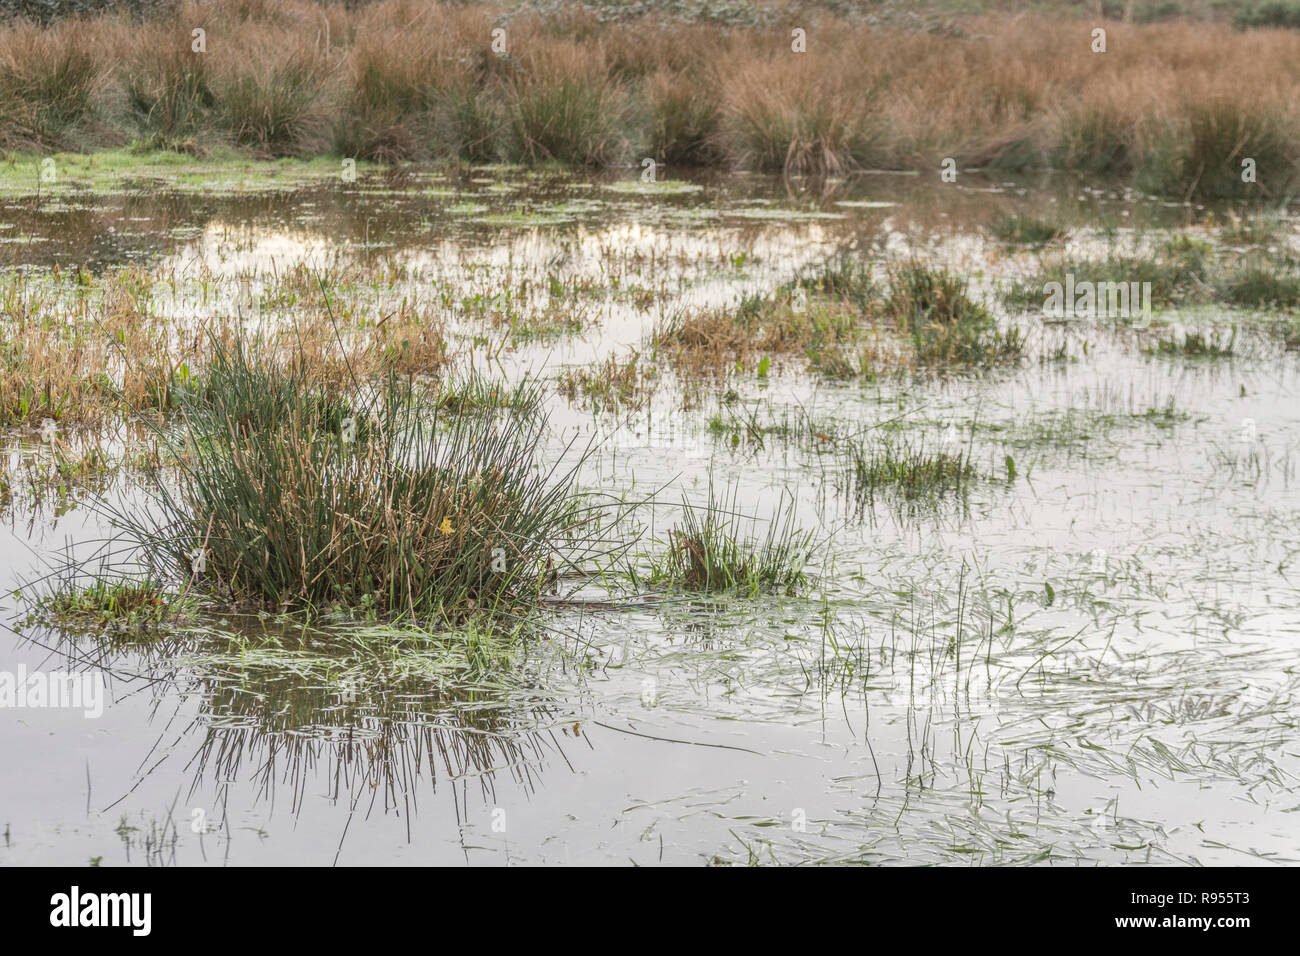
(145, 222)
(378, 728)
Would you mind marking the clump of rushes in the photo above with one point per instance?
(288, 495)
(842, 277)
(1289, 329)
(1025, 230)
(908, 468)
(714, 550)
(473, 392)
(1097, 138)
(945, 325)
(1177, 270)
(273, 105)
(1261, 286)
(719, 339)
(608, 386)
(1200, 152)
(816, 313)
(413, 89)
(684, 116)
(1268, 13)
(797, 118)
(48, 81)
(169, 93)
(563, 106)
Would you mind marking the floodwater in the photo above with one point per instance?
(1090, 661)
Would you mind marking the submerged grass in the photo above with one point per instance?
(1025, 230)
(896, 464)
(84, 348)
(845, 324)
(472, 391)
(611, 385)
(1174, 271)
(1195, 343)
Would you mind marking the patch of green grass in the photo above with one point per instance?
(1290, 332)
(1077, 426)
(1263, 287)
(897, 464)
(610, 385)
(1253, 230)
(715, 550)
(1196, 343)
(844, 277)
(473, 392)
(221, 169)
(746, 427)
(1200, 153)
(1178, 271)
(945, 325)
(1267, 13)
(1094, 140)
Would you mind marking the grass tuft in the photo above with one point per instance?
(296, 496)
(896, 465)
(714, 550)
(946, 326)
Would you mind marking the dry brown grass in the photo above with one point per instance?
(716, 340)
(87, 349)
(400, 79)
(49, 80)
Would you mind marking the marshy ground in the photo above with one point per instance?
(494, 511)
(836, 549)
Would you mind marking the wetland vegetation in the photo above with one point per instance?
(759, 510)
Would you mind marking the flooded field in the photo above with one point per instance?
(1018, 588)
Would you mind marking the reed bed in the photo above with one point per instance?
(1176, 106)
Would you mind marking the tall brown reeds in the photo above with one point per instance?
(1178, 105)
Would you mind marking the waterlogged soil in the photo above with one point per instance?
(1087, 656)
